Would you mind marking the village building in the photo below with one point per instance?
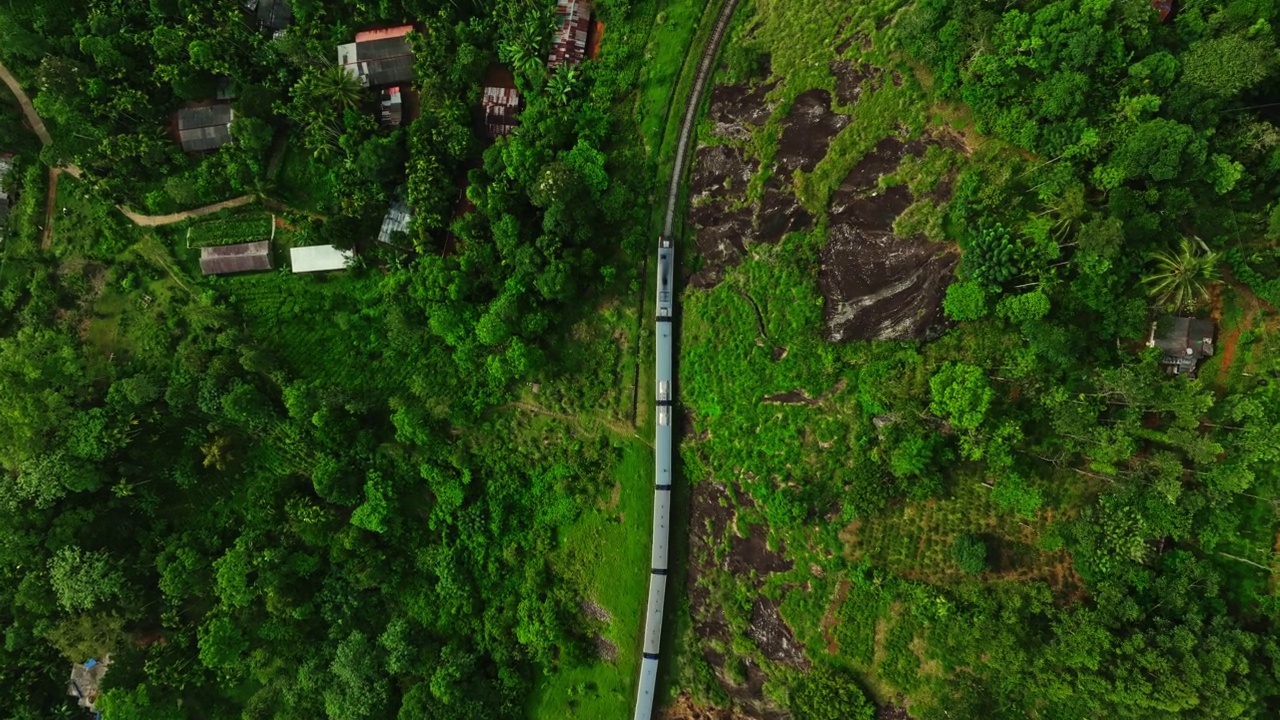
(6, 195)
(319, 258)
(273, 15)
(395, 221)
(201, 129)
(500, 102)
(1183, 343)
(85, 682)
(379, 58)
(570, 43)
(392, 107)
(245, 257)
(226, 90)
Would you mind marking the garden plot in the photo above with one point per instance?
(231, 229)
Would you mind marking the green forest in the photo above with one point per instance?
(421, 487)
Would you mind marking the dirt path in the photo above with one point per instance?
(28, 109)
(621, 429)
(154, 220)
(50, 204)
(42, 132)
(1228, 344)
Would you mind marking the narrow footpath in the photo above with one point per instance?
(50, 206)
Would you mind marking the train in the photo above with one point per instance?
(664, 399)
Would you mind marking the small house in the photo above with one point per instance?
(500, 102)
(379, 58)
(1183, 343)
(201, 129)
(319, 258)
(245, 257)
(395, 221)
(6, 195)
(85, 680)
(273, 15)
(570, 42)
(1164, 7)
(392, 107)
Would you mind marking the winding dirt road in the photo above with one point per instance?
(37, 125)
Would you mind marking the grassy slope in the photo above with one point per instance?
(730, 371)
(605, 552)
(608, 549)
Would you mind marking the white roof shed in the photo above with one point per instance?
(318, 258)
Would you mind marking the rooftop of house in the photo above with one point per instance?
(85, 679)
(379, 57)
(318, 258)
(244, 257)
(392, 106)
(500, 105)
(396, 220)
(570, 44)
(274, 14)
(1183, 342)
(205, 128)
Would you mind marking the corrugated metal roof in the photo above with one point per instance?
(274, 14)
(205, 128)
(368, 35)
(500, 105)
(244, 257)
(1183, 341)
(379, 57)
(396, 220)
(570, 44)
(318, 258)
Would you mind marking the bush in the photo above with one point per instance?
(970, 553)
(965, 301)
(829, 693)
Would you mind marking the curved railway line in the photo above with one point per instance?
(664, 381)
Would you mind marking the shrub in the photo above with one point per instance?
(965, 301)
(970, 553)
(829, 693)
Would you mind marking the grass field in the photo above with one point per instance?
(606, 553)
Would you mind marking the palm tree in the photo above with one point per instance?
(1182, 276)
(339, 86)
(563, 85)
(521, 59)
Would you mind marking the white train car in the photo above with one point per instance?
(662, 455)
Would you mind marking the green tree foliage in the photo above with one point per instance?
(960, 394)
(966, 300)
(828, 693)
(84, 580)
(1181, 277)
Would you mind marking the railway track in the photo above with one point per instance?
(664, 380)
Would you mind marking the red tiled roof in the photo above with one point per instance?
(384, 34)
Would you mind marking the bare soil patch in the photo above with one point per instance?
(748, 560)
(852, 79)
(684, 708)
(807, 132)
(736, 110)
(725, 222)
(877, 285)
(770, 633)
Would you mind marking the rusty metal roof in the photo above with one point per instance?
(244, 257)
